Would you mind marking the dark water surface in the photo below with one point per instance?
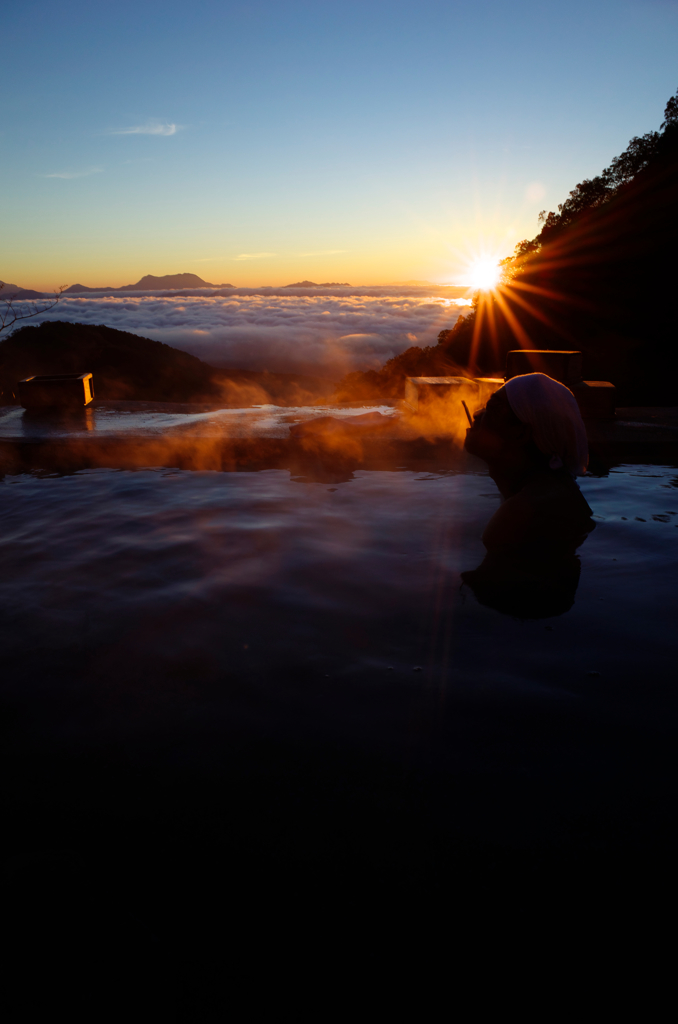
(203, 670)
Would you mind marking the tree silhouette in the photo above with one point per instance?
(14, 308)
(599, 277)
(595, 192)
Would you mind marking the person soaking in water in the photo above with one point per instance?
(533, 439)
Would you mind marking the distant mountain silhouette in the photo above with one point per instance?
(168, 281)
(13, 291)
(312, 284)
(84, 288)
(152, 283)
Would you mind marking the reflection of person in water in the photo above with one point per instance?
(533, 439)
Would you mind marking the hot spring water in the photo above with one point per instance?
(143, 605)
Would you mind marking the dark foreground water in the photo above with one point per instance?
(223, 690)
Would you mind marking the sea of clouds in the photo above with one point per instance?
(328, 334)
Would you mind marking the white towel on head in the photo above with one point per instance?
(552, 411)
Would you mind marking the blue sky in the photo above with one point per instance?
(263, 143)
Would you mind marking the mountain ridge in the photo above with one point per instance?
(313, 284)
(149, 282)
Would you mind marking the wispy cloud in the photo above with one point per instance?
(255, 255)
(74, 174)
(150, 128)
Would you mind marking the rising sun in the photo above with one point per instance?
(484, 274)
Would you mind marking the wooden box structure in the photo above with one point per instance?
(486, 388)
(58, 391)
(421, 391)
(563, 365)
(596, 398)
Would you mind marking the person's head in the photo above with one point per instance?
(497, 435)
(532, 421)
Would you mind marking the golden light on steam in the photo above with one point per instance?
(483, 274)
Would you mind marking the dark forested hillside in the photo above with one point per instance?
(600, 277)
(125, 366)
(129, 367)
